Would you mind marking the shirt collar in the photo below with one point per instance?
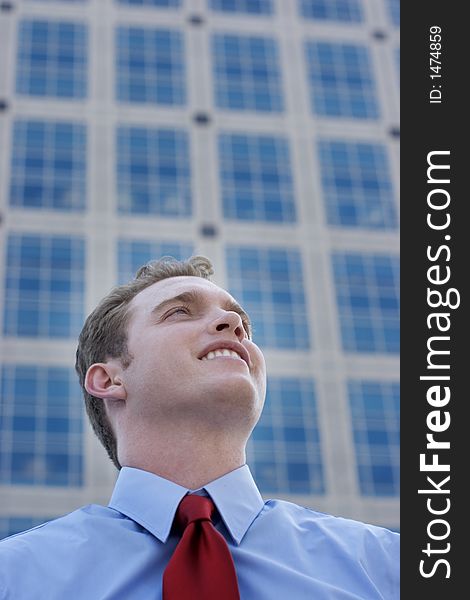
(151, 500)
(237, 499)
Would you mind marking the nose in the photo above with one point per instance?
(230, 321)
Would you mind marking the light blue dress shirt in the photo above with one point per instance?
(281, 551)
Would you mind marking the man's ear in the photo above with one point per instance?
(103, 381)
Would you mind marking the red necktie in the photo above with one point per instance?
(201, 567)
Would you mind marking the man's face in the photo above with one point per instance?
(191, 356)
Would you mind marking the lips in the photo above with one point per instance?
(218, 349)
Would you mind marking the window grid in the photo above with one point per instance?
(153, 172)
(11, 525)
(284, 451)
(132, 254)
(367, 293)
(246, 73)
(52, 59)
(349, 11)
(393, 7)
(375, 412)
(44, 292)
(150, 66)
(341, 80)
(269, 283)
(251, 7)
(357, 185)
(255, 176)
(48, 165)
(41, 425)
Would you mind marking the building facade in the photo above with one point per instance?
(261, 133)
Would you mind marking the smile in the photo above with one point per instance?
(222, 352)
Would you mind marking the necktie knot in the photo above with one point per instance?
(201, 567)
(194, 508)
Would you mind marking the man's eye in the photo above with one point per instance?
(178, 310)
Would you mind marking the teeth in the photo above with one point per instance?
(222, 352)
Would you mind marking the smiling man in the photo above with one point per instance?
(173, 387)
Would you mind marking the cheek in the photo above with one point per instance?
(262, 387)
(166, 363)
(257, 358)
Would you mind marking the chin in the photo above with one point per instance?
(234, 385)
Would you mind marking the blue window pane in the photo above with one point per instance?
(255, 175)
(21, 423)
(250, 7)
(267, 271)
(57, 425)
(44, 290)
(284, 451)
(48, 165)
(153, 172)
(357, 185)
(349, 11)
(52, 59)
(363, 281)
(341, 80)
(266, 474)
(11, 525)
(294, 434)
(22, 466)
(41, 440)
(392, 338)
(299, 478)
(246, 73)
(375, 413)
(393, 7)
(59, 467)
(263, 433)
(132, 254)
(150, 66)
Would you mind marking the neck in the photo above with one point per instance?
(189, 458)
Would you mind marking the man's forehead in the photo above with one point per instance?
(174, 286)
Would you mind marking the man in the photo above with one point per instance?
(173, 386)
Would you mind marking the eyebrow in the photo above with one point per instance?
(195, 297)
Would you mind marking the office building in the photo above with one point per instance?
(261, 133)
